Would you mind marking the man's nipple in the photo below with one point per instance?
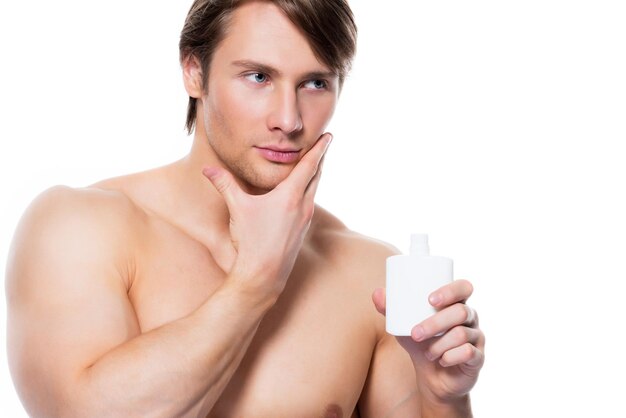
(333, 411)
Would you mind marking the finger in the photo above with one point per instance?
(457, 291)
(311, 190)
(456, 337)
(467, 355)
(225, 183)
(442, 321)
(379, 299)
(303, 172)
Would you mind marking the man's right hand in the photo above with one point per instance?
(267, 230)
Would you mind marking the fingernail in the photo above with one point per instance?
(434, 299)
(210, 172)
(418, 333)
(329, 138)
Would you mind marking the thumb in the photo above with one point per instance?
(224, 182)
(379, 299)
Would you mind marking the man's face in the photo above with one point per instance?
(268, 98)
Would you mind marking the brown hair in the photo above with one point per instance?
(328, 25)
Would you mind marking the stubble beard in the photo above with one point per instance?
(254, 178)
(251, 177)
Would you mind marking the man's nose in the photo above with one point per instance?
(285, 112)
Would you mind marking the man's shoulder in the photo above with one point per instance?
(336, 243)
(63, 206)
(76, 225)
(356, 264)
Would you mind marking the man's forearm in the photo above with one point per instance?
(178, 369)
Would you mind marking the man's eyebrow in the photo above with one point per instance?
(321, 74)
(253, 65)
(269, 70)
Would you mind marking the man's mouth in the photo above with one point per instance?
(279, 155)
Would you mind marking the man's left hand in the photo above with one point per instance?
(447, 348)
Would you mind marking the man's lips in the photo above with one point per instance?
(278, 155)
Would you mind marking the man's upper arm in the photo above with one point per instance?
(391, 387)
(66, 292)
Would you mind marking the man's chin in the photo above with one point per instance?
(266, 181)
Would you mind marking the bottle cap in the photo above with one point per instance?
(419, 245)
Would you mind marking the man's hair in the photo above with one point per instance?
(328, 25)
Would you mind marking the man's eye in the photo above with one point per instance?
(257, 77)
(316, 84)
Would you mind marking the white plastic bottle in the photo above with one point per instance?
(410, 280)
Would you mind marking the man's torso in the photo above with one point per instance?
(311, 354)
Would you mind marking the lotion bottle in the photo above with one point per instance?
(410, 280)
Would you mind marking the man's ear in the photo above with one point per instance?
(192, 76)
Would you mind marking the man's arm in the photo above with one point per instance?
(392, 389)
(443, 357)
(430, 378)
(75, 347)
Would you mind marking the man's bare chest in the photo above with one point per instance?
(311, 353)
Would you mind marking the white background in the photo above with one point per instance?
(494, 126)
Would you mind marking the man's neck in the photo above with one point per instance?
(192, 203)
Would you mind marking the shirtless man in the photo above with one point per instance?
(214, 287)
